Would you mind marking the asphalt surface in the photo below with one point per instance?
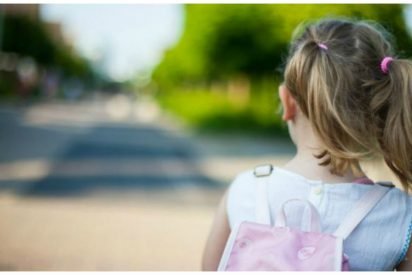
(114, 184)
(90, 186)
(116, 142)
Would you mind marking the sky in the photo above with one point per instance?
(121, 40)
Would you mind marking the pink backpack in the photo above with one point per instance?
(257, 246)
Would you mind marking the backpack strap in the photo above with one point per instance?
(361, 209)
(261, 174)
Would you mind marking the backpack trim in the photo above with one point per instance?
(338, 253)
(228, 248)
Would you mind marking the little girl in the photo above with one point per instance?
(345, 98)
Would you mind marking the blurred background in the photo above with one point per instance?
(122, 125)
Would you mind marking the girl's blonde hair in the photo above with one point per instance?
(334, 73)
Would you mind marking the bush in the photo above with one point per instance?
(217, 112)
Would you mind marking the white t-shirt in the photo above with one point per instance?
(379, 242)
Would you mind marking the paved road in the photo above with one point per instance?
(111, 184)
(86, 156)
(88, 186)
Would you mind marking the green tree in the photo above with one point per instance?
(222, 41)
(244, 42)
(28, 37)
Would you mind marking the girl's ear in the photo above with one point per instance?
(288, 103)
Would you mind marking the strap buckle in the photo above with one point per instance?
(263, 170)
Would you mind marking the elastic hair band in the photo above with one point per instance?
(323, 46)
(385, 63)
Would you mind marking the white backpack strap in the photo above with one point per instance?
(262, 174)
(366, 203)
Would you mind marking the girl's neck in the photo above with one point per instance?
(308, 145)
(307, 166)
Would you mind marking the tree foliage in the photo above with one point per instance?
(222, 41)
(28, 37)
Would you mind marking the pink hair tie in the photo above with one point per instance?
(385, 63)
(323, 46)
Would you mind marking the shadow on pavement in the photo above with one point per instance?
(110, 142)
(70, 186)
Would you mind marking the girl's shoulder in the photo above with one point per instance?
(282, 178)
(283, 184)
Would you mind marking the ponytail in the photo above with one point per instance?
(357, 98)
(391, 113)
